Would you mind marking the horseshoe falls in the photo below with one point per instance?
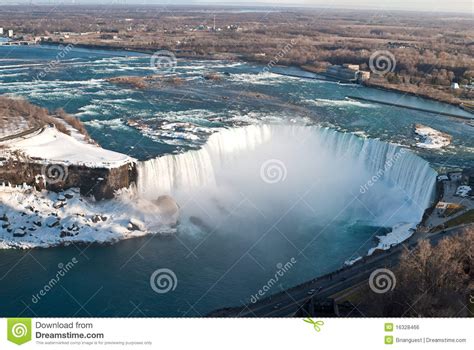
(332, 169)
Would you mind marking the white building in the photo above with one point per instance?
(10, 33)
(1, 31)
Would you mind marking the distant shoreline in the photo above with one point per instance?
(408, 107)
(235, 57)
(393, 89)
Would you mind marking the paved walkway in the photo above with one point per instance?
(21, 134)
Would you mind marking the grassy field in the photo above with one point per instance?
(466, 218)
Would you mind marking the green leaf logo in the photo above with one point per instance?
(19, 330)
(316, 324)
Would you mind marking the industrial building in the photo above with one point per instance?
(347, 73)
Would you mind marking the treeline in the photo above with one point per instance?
(431, 281)
(19, 110)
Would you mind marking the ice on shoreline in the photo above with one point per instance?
(400, 233)
(431, 138)
(351, 262)
(40, 219)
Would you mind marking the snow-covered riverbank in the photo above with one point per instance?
(32, 219)
(400, 233)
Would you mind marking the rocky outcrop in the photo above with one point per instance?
(98, 182)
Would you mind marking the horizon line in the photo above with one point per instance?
(127, 3)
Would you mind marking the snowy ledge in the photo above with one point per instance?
(46, 158)
(48, 145)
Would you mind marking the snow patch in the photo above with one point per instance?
(52, 146)
(431, 138)
(33, 219)
(400, 233)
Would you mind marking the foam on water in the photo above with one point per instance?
(115, 124)
(338, 103)
(263, 78)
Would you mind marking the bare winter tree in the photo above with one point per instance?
(432, 280)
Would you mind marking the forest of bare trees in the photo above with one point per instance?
(431, 281)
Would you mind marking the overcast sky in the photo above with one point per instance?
(465, 6)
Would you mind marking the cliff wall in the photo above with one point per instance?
(98, 182)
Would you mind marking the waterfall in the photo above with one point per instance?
(386, 162)
(191, 169)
